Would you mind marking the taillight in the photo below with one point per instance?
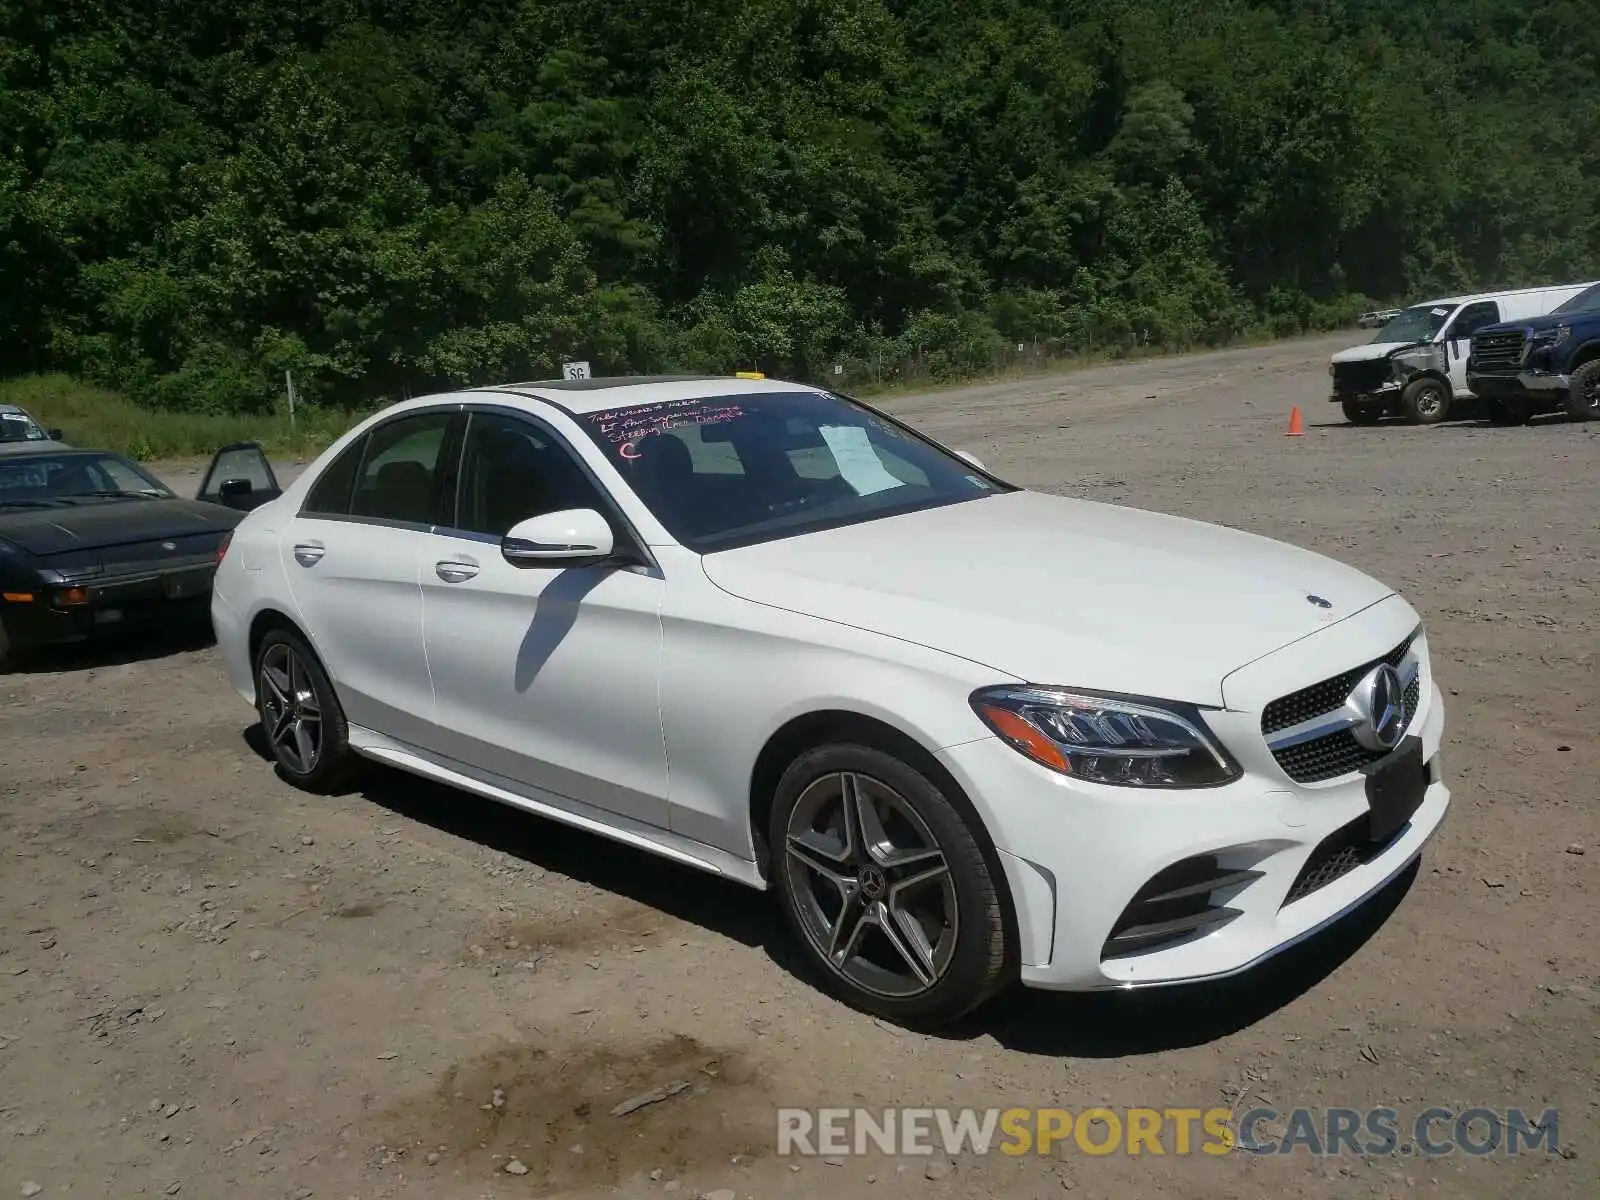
(222, 546)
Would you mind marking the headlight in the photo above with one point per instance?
(1552, 337)
(1106, 739)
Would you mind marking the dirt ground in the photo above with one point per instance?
(214, 986)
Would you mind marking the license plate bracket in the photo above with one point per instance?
(1395, 787)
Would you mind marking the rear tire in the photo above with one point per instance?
(1508, 412)
(301, 716)
(8, 659)
(1361, 414)
(1583, 395)
(1425, 401)
(886, 886)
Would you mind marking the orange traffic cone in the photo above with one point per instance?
(1297, 423)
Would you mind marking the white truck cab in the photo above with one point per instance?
(1416, 364)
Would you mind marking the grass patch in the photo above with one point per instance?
(94, 418)
(97, 419)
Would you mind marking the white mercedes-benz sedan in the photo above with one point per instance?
(969, 733)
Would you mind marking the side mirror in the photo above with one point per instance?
(572, 537)
(55, 435)
(971, 458)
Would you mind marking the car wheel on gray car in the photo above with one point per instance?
(1425, 401)
(300, 714)
(887, 886)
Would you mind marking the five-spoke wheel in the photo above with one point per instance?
(887, 885)
(300, 715)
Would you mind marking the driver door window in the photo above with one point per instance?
(512, 470)
(1474, 317)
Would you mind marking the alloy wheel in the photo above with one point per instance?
(291, 714)
(1430, 403)
(872, 885)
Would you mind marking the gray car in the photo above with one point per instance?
(21, 433)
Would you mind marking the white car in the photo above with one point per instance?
(21, 433)
(969, 733)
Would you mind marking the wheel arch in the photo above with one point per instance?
(1585, 354)
(832, 725)
(264, 622)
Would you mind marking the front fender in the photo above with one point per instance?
(734, 672)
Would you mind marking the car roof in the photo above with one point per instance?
(1532, 291)
(585, 396)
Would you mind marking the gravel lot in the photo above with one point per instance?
(214, 986)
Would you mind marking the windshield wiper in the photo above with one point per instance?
(27, 503)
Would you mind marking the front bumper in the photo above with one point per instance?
(1076, 855)
(1382, 394)
(1520, 383)
(76, 611)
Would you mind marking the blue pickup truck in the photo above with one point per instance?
(1542, 364)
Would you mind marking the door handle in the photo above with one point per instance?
(309, 554)
(455, 570)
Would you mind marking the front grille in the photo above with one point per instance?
(1323, 697)
(1336, 753)
(1341, 852)
(1355, 378)
(1499, 351)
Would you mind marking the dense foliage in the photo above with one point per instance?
(390, 194)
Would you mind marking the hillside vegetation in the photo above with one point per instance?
(390, 195)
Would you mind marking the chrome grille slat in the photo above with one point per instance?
(1498, 351)
(1310, 736)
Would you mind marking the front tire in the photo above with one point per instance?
(1583, 394)
(1425, 401)
(1361, 414)
(886, 886)
(300, 714)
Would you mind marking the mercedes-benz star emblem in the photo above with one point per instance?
(873, 883)
(1378, 704)
(1320, 602)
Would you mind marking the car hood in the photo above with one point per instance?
(107, 523)
(1534, 324)
(1059, 591)
(1371, 350)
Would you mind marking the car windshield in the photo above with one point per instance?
(727, 471)
(51, 480)
(20, 427)
(1418, 324)
(1585, 300)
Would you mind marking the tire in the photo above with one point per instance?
(1425, 401)
(1583, 395)
(287, 667)
(830, 887)
(1361, 414)
(1508, 412)
(8, 660)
